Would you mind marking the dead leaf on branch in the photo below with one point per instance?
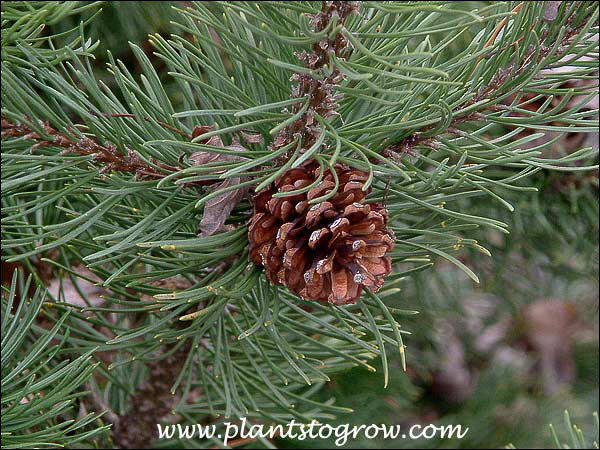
(218, 209)
(251, 138)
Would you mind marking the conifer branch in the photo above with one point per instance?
(531, 59)
(318, 92)
(107, 154)
(412, 75)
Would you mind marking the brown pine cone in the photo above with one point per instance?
(324, 252)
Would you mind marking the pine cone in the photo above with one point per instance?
(324, 252)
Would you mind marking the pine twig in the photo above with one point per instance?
(107, 154)
(318, 92)
(407, 144)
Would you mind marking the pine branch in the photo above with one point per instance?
(107, 154)
(39, 388)
(318, 92)
(533, 56)
(230, 61)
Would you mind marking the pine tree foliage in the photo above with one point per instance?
(40, 382)
(575, 435)
(430, 99)
(23, 23)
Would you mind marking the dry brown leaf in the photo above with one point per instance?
(218, 209)
(251, 138)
